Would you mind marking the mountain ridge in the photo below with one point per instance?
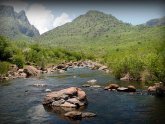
(15, 25)
(89, 25)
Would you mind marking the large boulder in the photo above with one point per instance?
(72, 97)
(31, 71)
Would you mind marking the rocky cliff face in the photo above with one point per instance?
(15, 25)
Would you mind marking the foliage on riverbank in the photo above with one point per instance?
(4, 68)
(139, 52)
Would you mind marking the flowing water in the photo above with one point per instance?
(21, 102)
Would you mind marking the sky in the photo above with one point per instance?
(46, 15)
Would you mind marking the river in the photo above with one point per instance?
(21, 102)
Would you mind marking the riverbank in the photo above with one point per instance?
(36, 71)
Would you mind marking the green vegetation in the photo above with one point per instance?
(137, 50)
(4, 68)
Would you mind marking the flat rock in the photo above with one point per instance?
(74, 115)
(122, 89)
(77, 115)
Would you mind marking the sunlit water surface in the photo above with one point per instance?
(21, 102)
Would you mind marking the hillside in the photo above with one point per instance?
(15, 25)
(125, 49)
(90, 25)
(137, 50)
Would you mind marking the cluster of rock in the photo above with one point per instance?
(15, 72)
(34, 70)
(157, 89)
(72, 98)
(110, 87)
(79, 64)
(130, 88)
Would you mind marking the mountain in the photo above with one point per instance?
(156, 22)
(90, 25)
(15, 25)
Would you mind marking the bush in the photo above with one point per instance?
(5, 53)
(129, 64)
(4, 67)
(18, 60)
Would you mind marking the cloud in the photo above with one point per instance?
(43, 18)
(40, 17)
(18, 5)
(62, 19)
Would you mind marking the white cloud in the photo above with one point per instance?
(18, 5)
(62, 19)
(40, 17)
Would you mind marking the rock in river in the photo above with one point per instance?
(111, 86)
(130, 88)
(72, 97)
(77, 115)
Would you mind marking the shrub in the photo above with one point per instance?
(18, 60)
(5, 53)
(4, 67)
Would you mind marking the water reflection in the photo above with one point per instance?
(18, 106)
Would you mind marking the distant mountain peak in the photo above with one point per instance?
(94, 12)
(15, 24)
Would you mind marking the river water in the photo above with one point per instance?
(21, 102)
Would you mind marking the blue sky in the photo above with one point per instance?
(48, 15)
